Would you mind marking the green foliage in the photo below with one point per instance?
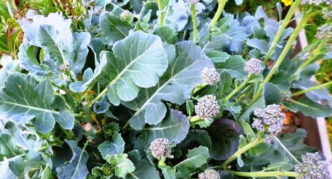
(85, 87)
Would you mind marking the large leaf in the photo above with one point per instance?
(318, 95)
(308, 108)
(144, 168)
(177, 16)
(140, 59)
(175, 128)
(76, 167)
(195, 158)
(272, 94)
(113, 28)
(100, 74)
(225, 136)
(234, 66)
(54, 35)
(23, 99)
(122, 164)
(112, 148)
(174, 86)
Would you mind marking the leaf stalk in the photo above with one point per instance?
(262, 174)
(221, 6)
(283, 54)
(242, 150)
(281, 29)
(238, 88)
(194, 21)
(312, 88)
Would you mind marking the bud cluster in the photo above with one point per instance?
(207, 107)
(160, 148)
(269, 120)
(210, 76)
(209, 174)
(254, 66)
(312, 167)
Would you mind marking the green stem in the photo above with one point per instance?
(276, 174)
(194, 119)
(309, 60)
(161, 162)
(101, 94)
(194, 21)
(283, 54)
(281, 29)
(162, 13)
(238, 88)
(221, 6)
(242, 150)
(312, 88)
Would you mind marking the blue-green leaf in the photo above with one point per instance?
(195, 158)
(175, 128)
(140, 59)
(23, 99)
(113, 28)
(112, 148)
(174, 86)
(76, 167)
(122, 164)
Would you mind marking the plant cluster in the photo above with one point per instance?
(160, 89)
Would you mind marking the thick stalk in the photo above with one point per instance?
(221, 6)
(194, 21)
(242, 150)
(237, 89)
(282, 56)
(281, 29)
(162, 13)
(276, 174)
(312, 88)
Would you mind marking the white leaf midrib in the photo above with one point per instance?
(31, 107)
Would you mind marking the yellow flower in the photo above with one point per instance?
(287, 2)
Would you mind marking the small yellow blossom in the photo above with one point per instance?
(287, 2)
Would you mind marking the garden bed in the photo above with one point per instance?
(172, 89)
